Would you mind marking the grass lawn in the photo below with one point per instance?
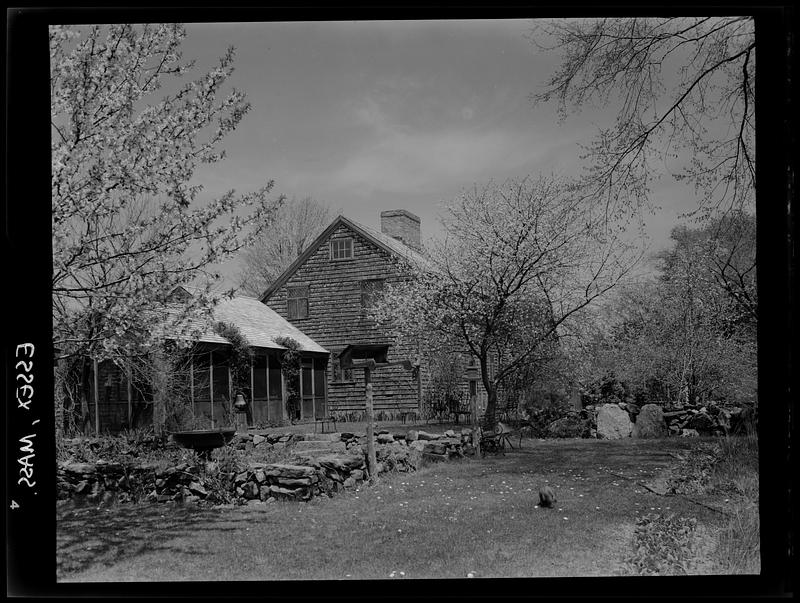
(448, 520)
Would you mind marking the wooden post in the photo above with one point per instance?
(476, 438)
(96, 370)
(371, 462)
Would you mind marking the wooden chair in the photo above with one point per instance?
(493, 437)
(322, 420)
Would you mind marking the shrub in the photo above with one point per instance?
(663, 545)
(541, 417)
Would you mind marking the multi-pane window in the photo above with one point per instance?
(297, 302)
(341, 249)
(341, 375)
(370, 290)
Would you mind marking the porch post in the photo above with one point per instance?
(211, 383)
(283, 398)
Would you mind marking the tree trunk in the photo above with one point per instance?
(491, 390)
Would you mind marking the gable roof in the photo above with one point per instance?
(389, 244)
(259, 323)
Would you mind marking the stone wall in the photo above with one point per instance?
(314, 465)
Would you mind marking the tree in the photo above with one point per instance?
(684, 88)
(681, 336)
(128, 223)
(518, 264)
(297, 223)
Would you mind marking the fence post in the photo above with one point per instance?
(371, 462)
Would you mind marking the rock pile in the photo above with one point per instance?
(652, 420)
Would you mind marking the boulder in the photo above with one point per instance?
(250, 490)
(385, 438)
(417, 445)
(257, 439)
(288, 471)
(689, 433)
(449, 433)
(277, 491)
(650, 423)
(288, 482)
(197, 489)
(435, 448)
(412, 435)
(424, 435)
(613, 422)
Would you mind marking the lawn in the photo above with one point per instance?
(449, 520)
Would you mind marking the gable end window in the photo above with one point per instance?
(297, 302)
(341, 249)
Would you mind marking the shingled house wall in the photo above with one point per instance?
(336, 319)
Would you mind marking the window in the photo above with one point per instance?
(339, 375)
(341, 249)
(370, 290)
(297, 302)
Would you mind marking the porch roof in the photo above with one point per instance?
(259, 324)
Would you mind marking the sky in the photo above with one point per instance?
(369, 116)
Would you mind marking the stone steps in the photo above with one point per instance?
(306, 445)
(322, 437)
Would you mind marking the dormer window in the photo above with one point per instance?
(342, 249)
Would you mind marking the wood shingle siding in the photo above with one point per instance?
(336, 318)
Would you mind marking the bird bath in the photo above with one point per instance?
(203, 441)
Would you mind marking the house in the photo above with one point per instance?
(120, 398)
(327, 293)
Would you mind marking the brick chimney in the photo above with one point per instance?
(402, 225)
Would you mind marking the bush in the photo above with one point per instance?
(571, 426)
(662, 545)
(541, 417)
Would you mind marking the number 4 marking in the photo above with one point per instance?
(14, 504)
